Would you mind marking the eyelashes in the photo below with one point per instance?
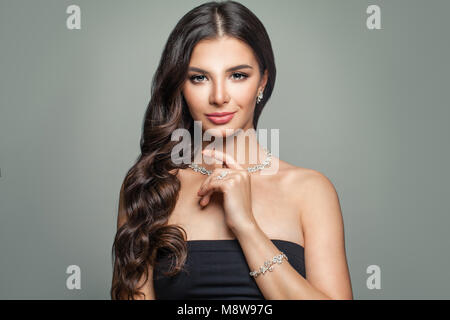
(241, 76)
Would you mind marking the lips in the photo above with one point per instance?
(220, 117)
(219, 114)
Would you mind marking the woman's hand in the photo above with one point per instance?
(236, 189)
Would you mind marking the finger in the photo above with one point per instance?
(202, 190)
(225, 158)
(218, 185)
(217, 163)
(206, 193)
(205, 200)
(216, 172)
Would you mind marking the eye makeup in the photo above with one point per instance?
(241, 76)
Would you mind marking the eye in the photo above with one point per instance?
(196, 77)
(241, 76)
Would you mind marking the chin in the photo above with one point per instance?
(222, 131)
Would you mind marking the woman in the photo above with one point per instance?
(186, 233)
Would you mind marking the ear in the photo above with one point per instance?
(263, 81)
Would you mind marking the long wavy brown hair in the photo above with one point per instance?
(150, 189)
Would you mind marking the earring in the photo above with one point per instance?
(260, 96)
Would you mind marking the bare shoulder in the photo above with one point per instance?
(310, 180)
(300, 178)
(323, 229)
(308, 186)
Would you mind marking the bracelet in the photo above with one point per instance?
(268, 265)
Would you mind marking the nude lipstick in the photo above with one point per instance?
(220, 117)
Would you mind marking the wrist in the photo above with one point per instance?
(245, 229)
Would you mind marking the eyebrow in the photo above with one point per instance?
(241, 66)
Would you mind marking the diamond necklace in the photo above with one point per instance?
(261, 166)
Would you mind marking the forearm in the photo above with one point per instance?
(284, 282)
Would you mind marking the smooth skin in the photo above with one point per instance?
(296, 204)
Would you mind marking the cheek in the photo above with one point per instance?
(244, 96)
(195, 99)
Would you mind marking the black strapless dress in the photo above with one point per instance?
(217, 269)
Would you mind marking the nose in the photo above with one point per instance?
(219, 94)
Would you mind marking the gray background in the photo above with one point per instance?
(367, 108)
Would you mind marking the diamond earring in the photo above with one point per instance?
(260, 96)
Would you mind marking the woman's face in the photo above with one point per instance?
(223, 76)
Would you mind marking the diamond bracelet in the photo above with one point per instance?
(268, 265)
